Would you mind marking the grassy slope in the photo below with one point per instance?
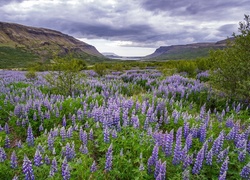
(187, 53)
(15, 58)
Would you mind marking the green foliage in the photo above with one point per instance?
(15, 57)
(31, 74)
(203, 64)
(231, 65)
(100, 69)
(188, 67)
(66, 75)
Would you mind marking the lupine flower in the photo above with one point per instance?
(15, 177)
(65, 170)
(50, 141)
(30, 137)
(248, 147)
(141, 167)
(64, 122)
(7, 142)
(68, 152)
(41, 127)
(224, 166)
(38, 158)
(106, 135)
(222, 155)
(217, 145)
(203, 133)
(187, 161)
(163, 170)
(150, 164)
(70, 132)
(3, 156)
(46, 159)
(209, 157)
(158, 177)
(91, 134)
(185, 174)
(157, 168)
(27, 169)
(63, 133)
(155, 154)
(93, 167)
(189, 141)
(177, 151)
(223, 176)
(169, 143)
(34, 116)
(84, 149)
(242, 155)
(186, 129)
(198, 162)
(245, 172)
(13, 160)
(40, 148)
(135, 121)
(109, 157)
(85, 138)
(114, 133)
(6, 128)
(19, 144)
(53, 167)
(241, 143)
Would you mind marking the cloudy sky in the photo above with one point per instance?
(131, 27)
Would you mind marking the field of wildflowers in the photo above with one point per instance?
(136, 124)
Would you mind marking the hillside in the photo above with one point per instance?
(188, 51)
(39, 44)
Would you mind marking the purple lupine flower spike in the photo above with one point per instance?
(177, 150)
(3, 156)
(53, 167)
(93, 167)
(106, 135)
(224, 167)
(65, 169)
(27, 169)
(38, 158)
(169, 143)
(47, 160)
(198, 162)
(13, 160)
(157, 168)
(245, 172)
(185, 174)
(7, 142)
(30, 137)
(163, 170)
(109, 158)
(209, 157)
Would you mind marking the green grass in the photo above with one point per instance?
(185, 54)
(15, 57)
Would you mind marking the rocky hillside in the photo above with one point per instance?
(188, 51)
(42, 42)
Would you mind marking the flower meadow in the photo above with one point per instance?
(135, 124)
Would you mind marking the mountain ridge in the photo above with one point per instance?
(42, 41)
(181, 51)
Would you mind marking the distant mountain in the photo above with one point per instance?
(188, 51)
(114, 56)
(39, 43)
(109, 54)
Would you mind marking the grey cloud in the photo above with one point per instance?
(211, 9)
(228, 29)
(4, 2)
(128, 21)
